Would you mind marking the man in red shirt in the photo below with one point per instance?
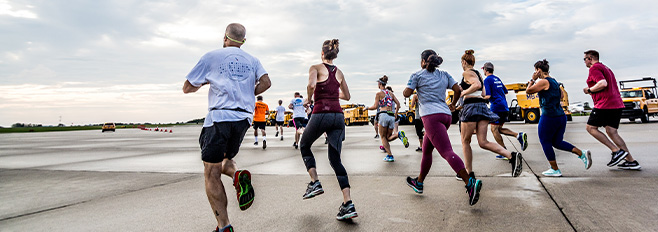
(602, 86)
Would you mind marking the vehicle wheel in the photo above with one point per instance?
(532, 116)
(410, 118)
(645, 116)
(569, 118)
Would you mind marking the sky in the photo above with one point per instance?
(87, 62)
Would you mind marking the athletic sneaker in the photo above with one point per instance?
(382, 148)
(517, 164)
(617, 157)
(629, 165)
(523, 140)
(389, 158)
(551, 172)
(244, 189)
(403, 138)
(295, 145)
(500, 157)
(586, 157)
(281, 137)
(228, 228)
(419, 149)
(473, 189)
(377, 136)
(277, 134)
(459, 178)
(313, 189)
(415, 185)
(255, 143)
(264, 144)
(346, 211)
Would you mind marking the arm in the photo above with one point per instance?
(472, 79)
(189, 88)
(344, 91)
(263, 84)
(407, 92)
(536, 86)
(290, 106)
(312, 82)
(397, 104)
(485, 94)
(457, 92)
(599, 86)
(414, 101)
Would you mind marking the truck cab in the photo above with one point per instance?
(639, 102)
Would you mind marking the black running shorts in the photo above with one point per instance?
(259, 125)
(299, 122)
(605, 117)
(222, 140)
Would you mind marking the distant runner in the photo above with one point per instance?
(235, 78)
(280, 118)
(388, 106)
(260, 120)
(298, 117)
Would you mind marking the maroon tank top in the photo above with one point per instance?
(326, 94)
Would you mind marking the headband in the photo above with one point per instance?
(234, 40)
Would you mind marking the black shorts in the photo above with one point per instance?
(503, 118)
(605, 117)
(279, 123)
(259, 125)
(299, 122)
(222, 140)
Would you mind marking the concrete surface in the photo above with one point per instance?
(134, 180)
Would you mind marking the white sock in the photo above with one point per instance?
(256, 138)
(264, 137)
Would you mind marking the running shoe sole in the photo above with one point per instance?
(612, 164)
(419, 191)
(347, 216)
(474, 199)
(638, 167)
(519, 165)
(552, 175)
(588, 154)
(244, 189)
(264, 144)
(314, 194)
(524, 138)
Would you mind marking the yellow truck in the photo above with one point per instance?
(525, 107)
(409, 116)
(271, 118)
(355, 114)
(639, 102)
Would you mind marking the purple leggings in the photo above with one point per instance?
(436, 136)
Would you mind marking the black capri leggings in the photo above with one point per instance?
(418, 123)
(334, 125)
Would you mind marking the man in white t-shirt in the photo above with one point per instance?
(235, 77)
(280, 117)
(298, 116)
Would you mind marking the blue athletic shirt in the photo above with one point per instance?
(495, 88)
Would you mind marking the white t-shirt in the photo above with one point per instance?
(298, 110)
(232, 74)
(280, 113)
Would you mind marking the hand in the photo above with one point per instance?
(585, 90)
(535, 75)
(307, 102)
(452, 107)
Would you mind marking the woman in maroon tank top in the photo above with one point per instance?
(326, 84)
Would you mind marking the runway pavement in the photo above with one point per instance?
(134, 180)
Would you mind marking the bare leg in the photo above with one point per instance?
(467, 128)
(553, 165)
(495, 131)
(263, 132)
(598, 135)
(485, 144)
(215, 191)
(313, 173)
(384, 133)
(614, 135)
(508, 132)
(346, 195)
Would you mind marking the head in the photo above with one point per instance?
(235, 35)
(297, 95)
(468, 59)
(330, 49)
(591, 58)
(488, 68)
(382, 81)
(259, 98)
(542, 66)
(429, 60)
(280, 101)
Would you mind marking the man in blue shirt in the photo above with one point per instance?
(495, 91)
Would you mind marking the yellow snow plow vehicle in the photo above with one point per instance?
(639, 102)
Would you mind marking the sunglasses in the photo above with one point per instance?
(586, 59)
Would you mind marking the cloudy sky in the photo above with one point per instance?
(126, 61)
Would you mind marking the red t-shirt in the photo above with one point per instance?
(608, 98)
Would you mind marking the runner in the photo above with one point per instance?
(396, 131)
(280, 117)
(231, 101)
(476, 116)
(553, 121)
(495, 92)
(418, 122)
(384, 100)
(602, 85)
(430, 85)
(259, 120)
(326, 85)
(298, 117)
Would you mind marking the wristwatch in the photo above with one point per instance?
(589, 90)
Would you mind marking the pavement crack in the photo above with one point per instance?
(99, 198)
(551, 196)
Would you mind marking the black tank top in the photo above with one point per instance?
(465, 85)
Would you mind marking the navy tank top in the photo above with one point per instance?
(549, 100)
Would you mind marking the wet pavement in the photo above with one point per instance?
(134, 180)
